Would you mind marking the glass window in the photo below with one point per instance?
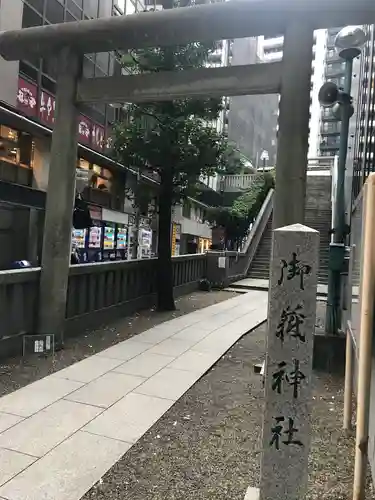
(74, 9)
(30, 18)
(79, 3)
(102, 60)
(29, 71)
(48, 85)
(54, 12)
(49, 67)
(105, 8)
(88, 68)
(102, 178)
(91, 7)
(69, 18)
(37, 4)
(9, 146)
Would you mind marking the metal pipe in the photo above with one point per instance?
(348, 390)
(367, 301)
(333, 311)
(218, 21)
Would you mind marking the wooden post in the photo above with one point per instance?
(289, 356)
(60, 201)
(293, 134)
(367, 301)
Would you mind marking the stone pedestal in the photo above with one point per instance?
(288, 368)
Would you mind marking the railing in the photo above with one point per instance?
(97, 293)
(237, 264)
(238, 182)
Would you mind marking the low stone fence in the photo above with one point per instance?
(97, 293)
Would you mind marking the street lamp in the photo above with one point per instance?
(348, 43)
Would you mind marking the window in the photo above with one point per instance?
(28, 71)
(54, 12)
(49, 67)
(91, 8)
(9, 150)
(102, 60)
(30, 18)
(102, 178)
(186, 209)
(105, 8)
(49, 84)
(74, 9)
(37, 4)
(88, 68)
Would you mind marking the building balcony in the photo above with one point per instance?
(329, 146)
(331, 129)
(335, 70)
(235, 183)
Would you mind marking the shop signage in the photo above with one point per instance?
(95, 212)
(27, 97)
(47, 106)
(84, 129)
(98, 137)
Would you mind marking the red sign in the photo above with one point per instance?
(84, 129)
(98, 134)
(47, 105)
(27, 97)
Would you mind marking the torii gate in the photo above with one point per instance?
(295, 19)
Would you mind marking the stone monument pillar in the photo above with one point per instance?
(288, 365)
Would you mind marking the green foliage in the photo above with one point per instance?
(237, 219)
(174, 136)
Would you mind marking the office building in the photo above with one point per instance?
(272, 51)
(252, 120)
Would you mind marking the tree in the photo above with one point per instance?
(236, 219)
(172, 139)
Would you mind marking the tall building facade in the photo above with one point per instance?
(272, 51)
(27, 115)
(362, 151)
(252, 120)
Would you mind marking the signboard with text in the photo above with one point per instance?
(43, 106)
(27, 96)
(47, 106)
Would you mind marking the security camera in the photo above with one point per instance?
(328, 94)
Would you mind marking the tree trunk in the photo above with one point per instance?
(165, 300)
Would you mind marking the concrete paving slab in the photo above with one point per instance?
(125, 350)
(194, 361)
(168, 384)
(68, 471)
(193, 334)
(12, 463)
(36, 396)
(105, 390)
(88, 369)
(171, 347)
(7, 421)
(145, 365)
(166, 361)
(43, 431)
(128, 419)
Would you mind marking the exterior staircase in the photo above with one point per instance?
(317, 216)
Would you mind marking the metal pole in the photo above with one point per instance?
(333, 311)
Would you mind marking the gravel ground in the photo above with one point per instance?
(18, 372)
(206, 447)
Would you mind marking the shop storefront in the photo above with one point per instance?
(107, 238)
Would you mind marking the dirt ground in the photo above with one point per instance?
(20, 371)
(207, 446)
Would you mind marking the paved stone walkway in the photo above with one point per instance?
(61, 434)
